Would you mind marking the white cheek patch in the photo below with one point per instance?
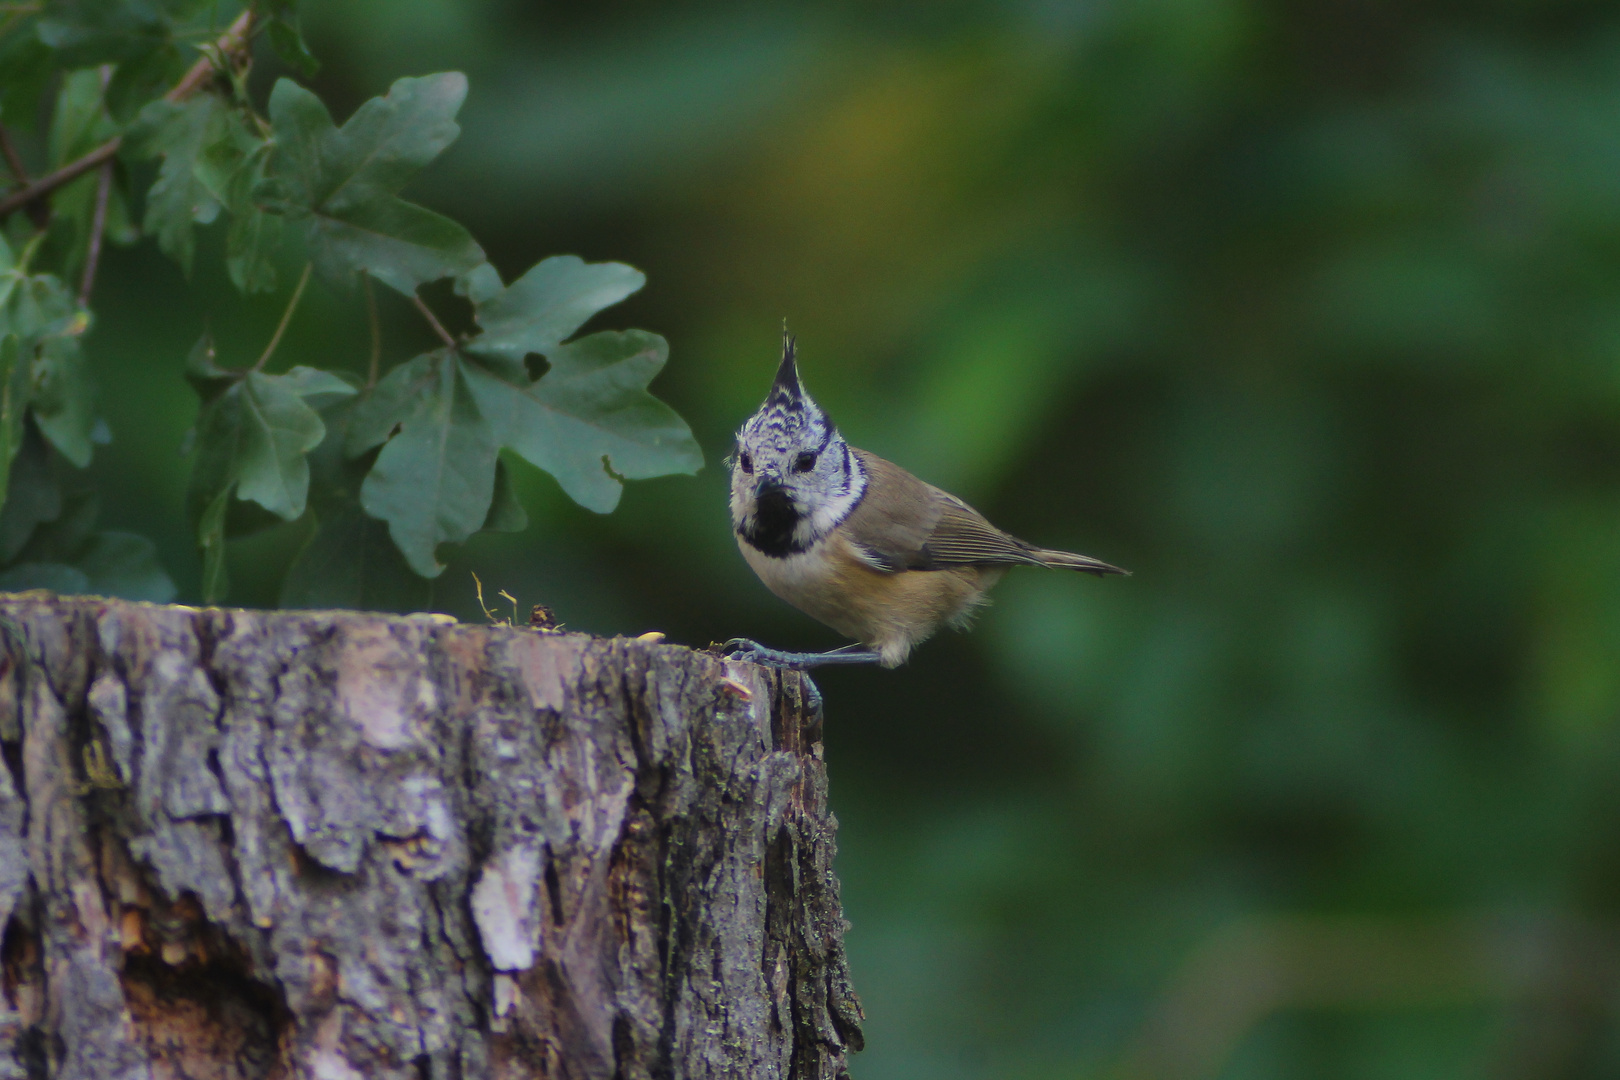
(831, 511)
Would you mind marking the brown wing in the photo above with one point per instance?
(894, 520)
(964, 536)
(906, 524)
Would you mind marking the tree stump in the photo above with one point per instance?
(334, 845)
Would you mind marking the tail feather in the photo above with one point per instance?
(1068, 560)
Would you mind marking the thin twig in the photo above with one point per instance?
(376, 332)
(286, 317)
(66, 174)
(98, 213)
(98, 226)
(229, 43)
(433, 321)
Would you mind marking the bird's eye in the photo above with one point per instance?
(805, 462)
(746, 462)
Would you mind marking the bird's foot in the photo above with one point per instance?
(755, 653)
(739, 648)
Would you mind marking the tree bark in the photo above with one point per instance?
(245, 844)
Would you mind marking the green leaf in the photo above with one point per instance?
(339, 185)
(434, 479)
(480, 284)
(249, 246)
(40, 310)
(181, 195)
(403, 392)
(40, 305)
(401, 244)
(591, 410)
(211, 541)
(319, 389)
(254, 436)
(235, 168)
(544, 307)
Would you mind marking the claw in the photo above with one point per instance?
(741, 648)
(812, 699)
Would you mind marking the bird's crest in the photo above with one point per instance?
(787, 390)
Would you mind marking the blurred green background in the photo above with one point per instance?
(1307, 312)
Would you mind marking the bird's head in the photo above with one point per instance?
(793, 477)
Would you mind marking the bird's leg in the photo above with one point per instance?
(754, 652)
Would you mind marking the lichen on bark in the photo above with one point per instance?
(334, 845)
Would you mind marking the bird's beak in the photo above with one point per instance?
(768, 486)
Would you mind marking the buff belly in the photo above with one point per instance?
(889, 613)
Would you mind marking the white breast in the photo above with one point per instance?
(802, 579)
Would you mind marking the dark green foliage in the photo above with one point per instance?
(250, 442)
(384, 473)
(48, 538)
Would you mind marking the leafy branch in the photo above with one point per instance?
(230, 44)
(384, 468)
